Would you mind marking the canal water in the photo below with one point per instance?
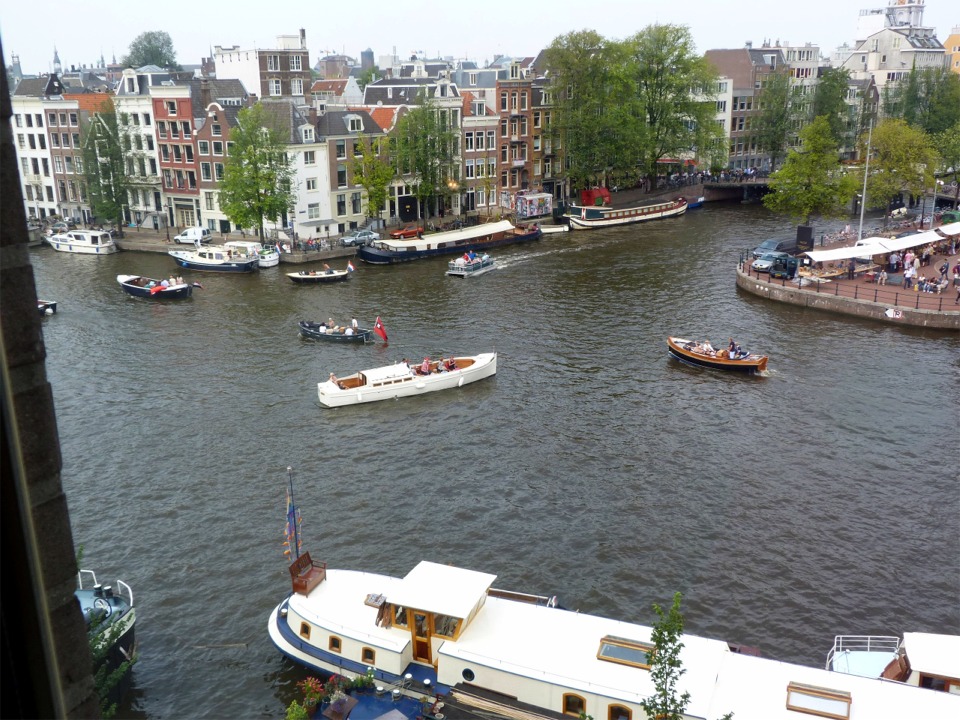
(821, 499)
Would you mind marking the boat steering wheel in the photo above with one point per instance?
(102, 605)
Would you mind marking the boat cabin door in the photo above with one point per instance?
(421, 637)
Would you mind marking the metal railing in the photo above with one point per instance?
(862, 643)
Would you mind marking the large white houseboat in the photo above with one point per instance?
(447, 632)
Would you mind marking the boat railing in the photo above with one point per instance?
(862, 643)
(124, 590)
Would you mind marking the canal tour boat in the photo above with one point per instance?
(402, 380)
(478, 238)
(691, 353)
(215, 258)
(83, 242)
(591, 217)
(445, 633)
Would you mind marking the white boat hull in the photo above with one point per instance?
(331, 395)
(269, 259)
(83, 243)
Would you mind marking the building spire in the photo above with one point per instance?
(57, 68)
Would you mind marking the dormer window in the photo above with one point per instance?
(819, 701)
(625, 652)
(308, 135)
(354, 124)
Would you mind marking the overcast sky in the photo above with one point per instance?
(83, 29)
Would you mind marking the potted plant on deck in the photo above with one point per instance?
(313, 692)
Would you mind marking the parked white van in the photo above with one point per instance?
(193, 235)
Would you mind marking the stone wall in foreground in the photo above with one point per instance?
(945, 320)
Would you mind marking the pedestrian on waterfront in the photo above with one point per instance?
(894, 261)
(882, 278)
(925, 258)
(851, 267)
(908, 275)
(943, 270)
(916, 265)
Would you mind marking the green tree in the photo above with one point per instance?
(104, 170)
(373, 171)
(902, 161)
(777, 116)
(927, 98)
(423, 145)
(666, 668)
(812, 180)
(675, 96)
(257, 174)
(587, 94)
(948, 144)
(830, 101)
(154, 47)
(366, 77)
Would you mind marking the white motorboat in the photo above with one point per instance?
(926, 660)
(267, 256)
(400, 380)
(84, 242)
(446, 632)
(215, 258)
(465, 267)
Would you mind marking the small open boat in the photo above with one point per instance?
(320, 331)
(152, 289)
(317, 277)
(688, 351)
(462, 267)
(46, 307)
(400, 380)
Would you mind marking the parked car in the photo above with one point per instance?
(786, 246)
(57, 228)
(764, 263)
(359, 237)
(193, 235)
(407, 231)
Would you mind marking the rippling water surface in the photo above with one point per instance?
(819, 500)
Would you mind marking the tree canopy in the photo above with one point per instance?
(948, 145)
(104, 163)
(927, 98)
(777, 116)
(830, 102)
(902, 160)
(666, 668)
(812, 180)
(423, 148)
(373, 171)
(154, 47)
(620, 106)
(257, 174)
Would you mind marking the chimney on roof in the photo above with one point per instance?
(303, 39)
(749, 45)
(204, 92)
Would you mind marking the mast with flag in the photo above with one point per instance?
(379, 329)
(291, 532)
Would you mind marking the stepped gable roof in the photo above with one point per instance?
(332, 124)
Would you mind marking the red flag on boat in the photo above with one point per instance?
(378, 329)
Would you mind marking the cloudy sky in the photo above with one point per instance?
(83, 29)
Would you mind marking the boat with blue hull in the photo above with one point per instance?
(478, 238)
(153, 289)
(215, 258)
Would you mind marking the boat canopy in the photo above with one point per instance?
(442, 589)
(390, 372)
(933, 654)
(874, 246)
(951, 229)
(472, 232)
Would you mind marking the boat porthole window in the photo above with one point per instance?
(305, 630)
(369, 656)
(334, 644)
(468, 675)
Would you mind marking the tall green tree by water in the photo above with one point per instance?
(104, 166)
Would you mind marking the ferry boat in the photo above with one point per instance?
(478, 238)
(83, 242)
(591, 217)
(446, 632)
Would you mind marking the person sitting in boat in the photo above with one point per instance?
(466, 257)
(451, 363)
(707, 349)
(732, 348)
(441, 365)
(425, 366)
(348, 331)
(164, 283)
(485, 257)
(472, 256)
(180, 280)
(336, 381)
(327, 269)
